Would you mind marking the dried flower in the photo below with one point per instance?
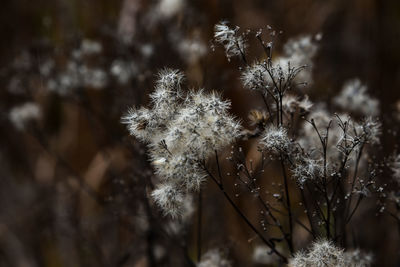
(169, 199)
(257, 117)
(182, 130)
(321, 253)
(255, 77)
(307, 168)
(233, 43)
(276, 140)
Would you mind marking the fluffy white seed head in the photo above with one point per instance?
(321, 253)
(307, 168)
(169, 199)
(276, 140)
(140, 123)
(181, 130)
(371, 129)
(234, 44)
(291, 103)
(255, 77)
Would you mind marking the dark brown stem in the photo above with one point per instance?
(240, 213)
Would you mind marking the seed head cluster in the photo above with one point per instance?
(182, 129)
(233, 42)
(324, 253)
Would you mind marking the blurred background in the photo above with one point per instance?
(73, 184)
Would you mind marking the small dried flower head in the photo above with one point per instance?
(290, 103)
(170, 78)
(371, 130)
(305, 104)
(255, 77)
(140, 123)
(234, 44)
(321, 253)
(276, 140)
(354, 97)
(257, 117)
(307, 168)
(214, 258)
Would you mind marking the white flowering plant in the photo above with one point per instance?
(326, 171)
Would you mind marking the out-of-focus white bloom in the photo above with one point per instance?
(354, 97)
(305, 104)
(213, 258)
(21, 115)
(234, 44)
(321, 253)
(182, 129)
(90, 47)
(289, 103)
(169, 199)
(302, 46)
(147, 50)
(46, 67)
(395, 167)
(87, 48)
(262, 255)
(93, 77)
(276, 140)
(169, 8)
(299, 52)
(192, 49)
(358, 258)
(140, 123)
(77, 75)
(123, 71)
